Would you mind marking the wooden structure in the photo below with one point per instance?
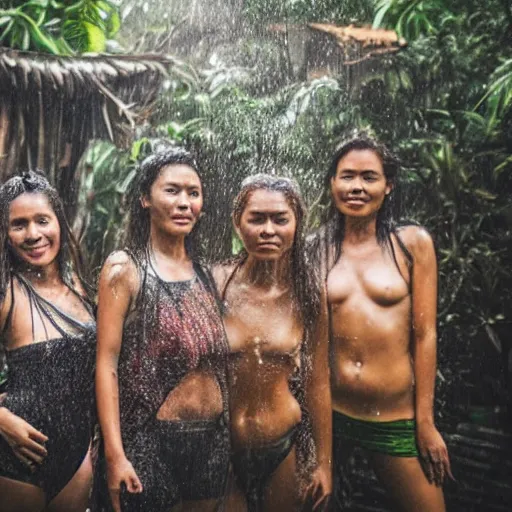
(319, 49)
(51, 107)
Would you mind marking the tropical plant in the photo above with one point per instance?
(413, 18)
(107, 173)
(444, 103)
(59, 27)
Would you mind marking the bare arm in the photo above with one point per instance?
(116, 290)
(424, 311)
(318, 402)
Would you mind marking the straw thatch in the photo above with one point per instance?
(51, 107)
(317, 49)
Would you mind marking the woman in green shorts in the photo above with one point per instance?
(382, 292)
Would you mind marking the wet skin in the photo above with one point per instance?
(372, 376)
(263, 331)
(383, 341)
(174, 204)
(265, 335)
(34, 236)
(264, 338)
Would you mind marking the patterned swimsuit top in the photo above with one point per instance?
(175, 328)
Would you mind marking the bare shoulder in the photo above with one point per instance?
(119, 270)
(221, 273)
(418, 241)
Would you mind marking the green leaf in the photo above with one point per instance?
(122, 187)
(83, 36)
(37, 3)
(52, 22)
(6, 31)
(25, 44)
(136, 147)
(379, 16)
(501, 167)
(96, 38)
(485, 194)
(4, 20)
(42, 42)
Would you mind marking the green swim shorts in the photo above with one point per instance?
(397, 438)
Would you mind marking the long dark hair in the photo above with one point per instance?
(69, 258)
(139, 222)
(304, 285)
(332, 232)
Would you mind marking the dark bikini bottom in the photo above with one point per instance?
(397, 438)
(253, 467)
(176, 461)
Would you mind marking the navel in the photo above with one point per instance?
(358, 365)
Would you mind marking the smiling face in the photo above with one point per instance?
(267, 225)
(34, 230)
(175, 200)
(359, 186)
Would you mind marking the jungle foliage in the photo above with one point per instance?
(444, 104)
(59, 27)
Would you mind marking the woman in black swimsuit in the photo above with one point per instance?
(48, 334)
(276, 324)
(161, 381)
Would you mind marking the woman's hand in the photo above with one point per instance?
(433, 453)
(120, 472)
(26, 442)
(319, 490)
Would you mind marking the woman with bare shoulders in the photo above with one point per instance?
(161, 381)
(276, 325)
(382, 293)
(48, 335)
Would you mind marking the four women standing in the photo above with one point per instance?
(213, 390)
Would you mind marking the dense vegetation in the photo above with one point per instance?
(444, 104)
(59, 27)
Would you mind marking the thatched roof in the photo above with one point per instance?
(51, 107)
(351, 44)
(372, 41)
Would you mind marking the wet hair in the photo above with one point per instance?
(69, 258)
(139, 222)
(305, 287)
(333, 221)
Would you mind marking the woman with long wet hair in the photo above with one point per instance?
(382, 293)
(48, 340)
(161, 382)
(276, 325)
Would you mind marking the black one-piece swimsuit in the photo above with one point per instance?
(50, 384)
